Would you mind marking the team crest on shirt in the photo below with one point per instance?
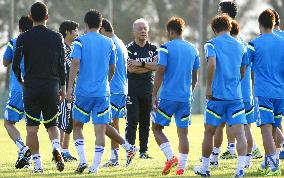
(135, 54)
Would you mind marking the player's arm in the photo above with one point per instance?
(112, 62)
(8, 55)
(151, 65)
(136, 70)
(195, 70)
(210, 75)
(245, 63)
(111, 72)
(159, 76)
(62, 70)
(18, 55)
(194, 79)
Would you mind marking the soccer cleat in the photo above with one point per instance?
(23, 158)
(275, 173)
(58, 160)
(81, 167)
(281, 154)
(93, 170)
(214, 164)
(169, 165)
(180, 172)
(239, 173)
(228, 155)
(38, 170)
(247, 165)
(256, 154)
(199, 171)
(67, 157)
(111, 163)
(130, 154)
(145, 156)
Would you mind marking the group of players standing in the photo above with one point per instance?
(104, 67)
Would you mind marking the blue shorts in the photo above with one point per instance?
(97, 107)
(269, 111)
(15, 107)
(220, 111)
(249, 109)
(118, 105)
(167, 109)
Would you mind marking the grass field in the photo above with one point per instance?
(139, 168)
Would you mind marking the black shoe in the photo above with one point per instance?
(68, 157)
(23, 158)
(81, 167)
(58, 160)
(145, 156)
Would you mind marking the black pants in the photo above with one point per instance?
(41, 105)
(138, 111)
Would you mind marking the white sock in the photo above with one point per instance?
(273, 162)
(65, 151)
(37, 161)
(126, 145)
(231, 148)
(254, 147)
(248, 159)
(182, 161)
(167, 150)
(80, 147)
(114, 154)
(215, 154)
(99, 150)
(241, 162)
(20, 144)
(278, 152)
(56, 144)
(205, 164)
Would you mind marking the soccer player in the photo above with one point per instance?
(69, 31)
(141, 64)
(43, 50)
(118, 90)
(95, 54)
(278, 133)
(268, 74)
(14, 111)
(177, 76)
(229, 8)
(223, 92)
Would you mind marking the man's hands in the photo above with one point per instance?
(69, 96)
(62, 93)
(134, 63)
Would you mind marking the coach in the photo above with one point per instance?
(141, 64)
(44, 74)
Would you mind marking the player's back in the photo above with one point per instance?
(181, 58)
(268, 62)
(118, 84)
(96, 52)
(229, 54)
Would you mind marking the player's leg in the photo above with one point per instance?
(101, 115)
(237, 120)
(256, 154)
(81, 115)
(144, 124)
(49, 106)
(218, 139)
(33, 112)
(212, 119)
(183, 120)
(249, 138)
(266, 122)
(161, 118)
(133, 106)
(14, 113)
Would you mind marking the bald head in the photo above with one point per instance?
(140, 30)
(140, 23)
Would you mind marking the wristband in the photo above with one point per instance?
(143, 64)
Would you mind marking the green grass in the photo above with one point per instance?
(139, 168)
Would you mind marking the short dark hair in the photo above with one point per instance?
(39, 11)
(93, 18)
(67, 25)
(229, 8)
(235, 30)
(277, 18)
(107, 25)
(176, 24)
(25, 23)
(221, 23)
(267, 19)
